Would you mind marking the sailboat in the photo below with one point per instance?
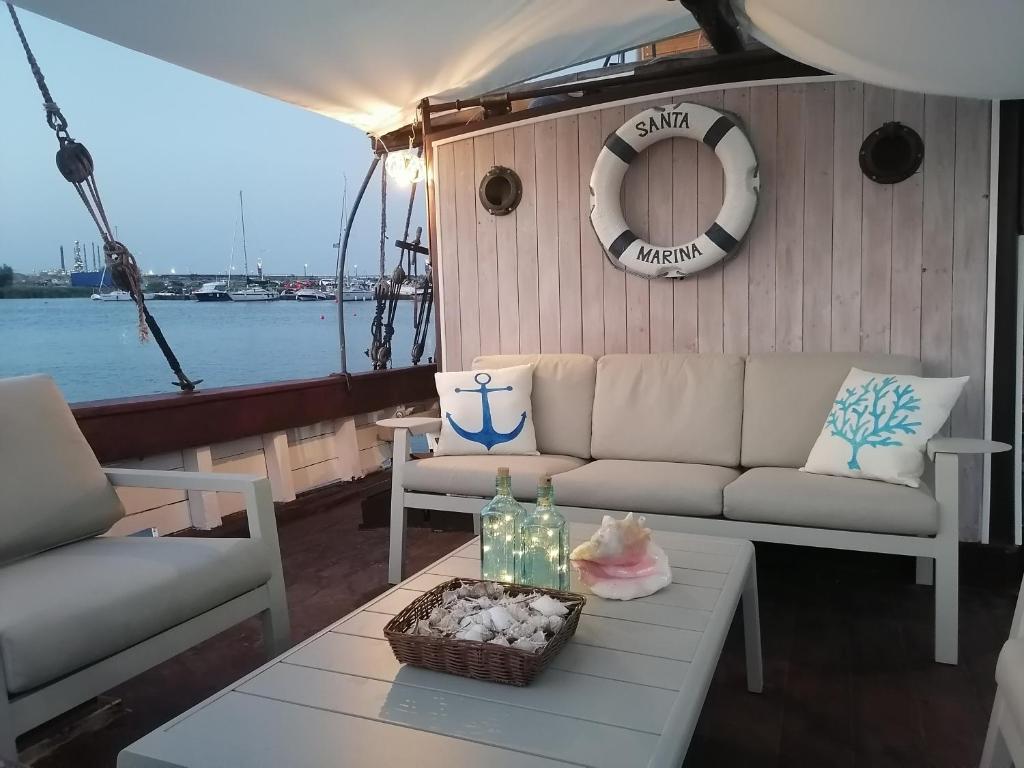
(115, 295)
(249, 292)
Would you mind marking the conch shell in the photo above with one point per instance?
(621, 561)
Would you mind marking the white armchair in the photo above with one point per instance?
(81, 613)
(1004, 744)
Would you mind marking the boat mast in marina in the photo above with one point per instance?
(248, 292)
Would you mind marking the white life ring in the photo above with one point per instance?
(691, 121)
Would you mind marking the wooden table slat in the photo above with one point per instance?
(452, 714)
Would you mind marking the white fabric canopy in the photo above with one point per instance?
(951, 47)
(369, 63)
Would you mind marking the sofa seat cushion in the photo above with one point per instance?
(655, 487)
(54, 491)
(791, 497)
(474, 475)
(75, 605)
(1010, 677)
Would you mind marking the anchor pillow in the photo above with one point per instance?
(879, 425)
(486, 412)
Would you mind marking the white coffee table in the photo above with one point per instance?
(627, 691)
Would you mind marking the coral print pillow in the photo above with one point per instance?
(486, 412)
(880, 424)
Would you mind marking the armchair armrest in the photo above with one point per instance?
(964, 445)
(259, 503)
(416, 425)
(180, 481)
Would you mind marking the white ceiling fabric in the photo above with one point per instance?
(369, 63)
(951, 47)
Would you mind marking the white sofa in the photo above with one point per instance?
(80, 612)
(703, 443)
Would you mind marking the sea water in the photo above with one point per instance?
(92, 349)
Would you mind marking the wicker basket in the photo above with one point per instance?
(470, 658)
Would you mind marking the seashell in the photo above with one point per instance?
(422, 627)
(437, 614)
(518, 611)
(615, 540)
(539, 637)
(526, 644)
(549, 606)
(476, 632)
(499, 617)
(446, 625)
(499, 640)
(555, 623)
(621, 561)
(450, 596)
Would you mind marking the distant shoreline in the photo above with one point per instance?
(46, 292)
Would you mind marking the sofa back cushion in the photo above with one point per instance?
(787, 395)
(563, 399)
(53, 490)
(682, 408)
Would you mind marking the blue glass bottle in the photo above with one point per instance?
(499, 532)
(544, 543)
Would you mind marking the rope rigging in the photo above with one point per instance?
(76, 165)
(387, 289)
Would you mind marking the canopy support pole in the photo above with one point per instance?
(341, 264)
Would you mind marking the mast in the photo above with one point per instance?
(245, 254)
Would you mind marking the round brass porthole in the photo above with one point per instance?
(891, 153)
(501, 189)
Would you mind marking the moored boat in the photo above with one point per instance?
(216, 291)
(253, 293)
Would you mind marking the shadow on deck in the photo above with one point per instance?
(847, 637)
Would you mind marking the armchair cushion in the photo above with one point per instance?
(54, 490)
(791, 497)
(474, 475)
(75, 605)
(655, 487)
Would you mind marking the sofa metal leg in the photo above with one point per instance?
(396, 553)
(752, 632)
(996, 753)
(277, 632)
(8, 748)
(476, 525)
(925, 575)
(947, 560)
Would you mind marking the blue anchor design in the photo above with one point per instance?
(487, 436)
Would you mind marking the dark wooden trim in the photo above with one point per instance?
(660, 76)
(1009, 226)
(145, 426)
(669, 73)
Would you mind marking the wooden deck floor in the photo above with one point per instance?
(847, 640)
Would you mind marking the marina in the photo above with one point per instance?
(227, 344)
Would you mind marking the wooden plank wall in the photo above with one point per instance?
(833, 261)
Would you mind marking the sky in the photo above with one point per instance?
(172, 149)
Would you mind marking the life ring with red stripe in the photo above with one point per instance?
(692, 121)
